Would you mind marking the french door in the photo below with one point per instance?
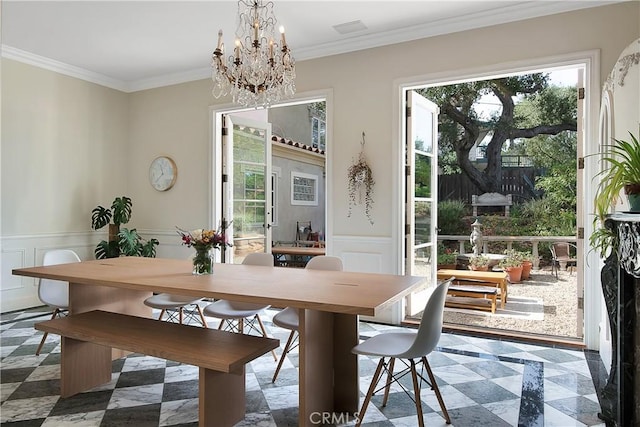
(246, 186)
(421, 124)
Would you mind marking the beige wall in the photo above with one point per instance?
(65, 144)
(68, 145)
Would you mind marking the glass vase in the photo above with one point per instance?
(203, 261)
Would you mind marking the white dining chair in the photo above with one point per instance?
(408, 346)
(55, 293)
(234, 315)
(177, 307)
(289, 317)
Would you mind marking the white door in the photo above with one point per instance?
(246, 186)
(422, 195)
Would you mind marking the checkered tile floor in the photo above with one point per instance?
(483, 382)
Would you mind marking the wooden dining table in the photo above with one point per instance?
(329, 303)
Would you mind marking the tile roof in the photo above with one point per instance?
(298, 145)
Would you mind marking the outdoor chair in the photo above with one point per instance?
(562, 254)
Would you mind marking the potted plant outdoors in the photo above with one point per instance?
(479, 263)
(527, 265)
(512, 265)
(120, 242)
(447, 258)
(621, 173)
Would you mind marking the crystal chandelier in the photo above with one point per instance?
(260, 71)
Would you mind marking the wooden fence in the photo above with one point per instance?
(516, 181)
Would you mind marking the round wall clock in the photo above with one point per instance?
(162, 173)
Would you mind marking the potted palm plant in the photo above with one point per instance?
(621, 173)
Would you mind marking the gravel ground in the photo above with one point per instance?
(559, 307)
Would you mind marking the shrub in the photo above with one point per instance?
(451, 215)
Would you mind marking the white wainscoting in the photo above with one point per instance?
(369, 255)
(17, 292)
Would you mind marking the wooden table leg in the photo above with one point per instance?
(221, 400)
(327, 368)
(83, 298)
(345, 364)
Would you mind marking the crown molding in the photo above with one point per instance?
(62, 68)
(504, 14)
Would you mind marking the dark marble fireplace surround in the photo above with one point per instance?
(620, 397)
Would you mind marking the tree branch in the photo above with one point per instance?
(542, 130)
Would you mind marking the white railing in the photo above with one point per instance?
(533, 240)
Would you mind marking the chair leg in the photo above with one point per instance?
(284, 354)
(161, 314)
(436, 390)
(372, 387)
(46, 334)
(416, 393)
(389, 378)
(202, 319)
(180, 313)
(264, 334)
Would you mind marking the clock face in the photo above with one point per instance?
(162, 173)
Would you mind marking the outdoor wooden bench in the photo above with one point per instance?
(475, 289)
(480, 297)
(87, 339)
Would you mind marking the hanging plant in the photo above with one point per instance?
(360, 184)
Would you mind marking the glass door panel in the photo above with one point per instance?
(421, 212)
(248, 206)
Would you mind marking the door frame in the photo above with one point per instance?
(216, 112)
(590, 60)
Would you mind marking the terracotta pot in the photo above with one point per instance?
(514, 273)
(526, 269)
(479, 267)
(446, 266)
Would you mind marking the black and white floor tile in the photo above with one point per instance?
(483, 382)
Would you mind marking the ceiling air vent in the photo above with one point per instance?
(350, 27)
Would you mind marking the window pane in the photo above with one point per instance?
(422, 175)
(423, 222)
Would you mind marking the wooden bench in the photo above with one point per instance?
(480, 297)
(87, 339)
(475, 289)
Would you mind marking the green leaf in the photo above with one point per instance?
(107, 250)
(121, 208)
(100, 217)
(129, 242)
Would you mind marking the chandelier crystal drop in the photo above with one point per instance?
(261, 69)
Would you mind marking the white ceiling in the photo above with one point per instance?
(134, 45)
